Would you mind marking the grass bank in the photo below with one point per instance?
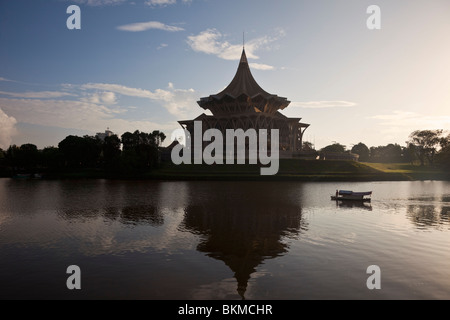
(289, 170)
(303, 170)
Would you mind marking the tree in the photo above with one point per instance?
(128, 142)
(425, 144)
(80, 151)
(307, 146)
(443, 157)
(52, 157)
(159, 137)
(386, 154)
(11, 155)
(362, 150)
(140, 149)
(336, 147)
(408, 154)
(25, 157)
(3, 170)
(29, 156)
(111, 150)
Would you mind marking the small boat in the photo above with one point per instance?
(352, 196)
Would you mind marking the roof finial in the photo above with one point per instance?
(243, 39)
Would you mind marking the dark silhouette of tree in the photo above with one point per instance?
(52, 158)
(445, 141)
(443, 157)
(425, 144)
(408, 154)
(336, 147)
(81, 152)
(111, 151)
(308, 146)
(128, 142)
(362, 150)
(159, 137)
(12, 154)
(132, 153)
(140, 149)
(23, 158)
(4, 170)
(390, 153)
(29, 156)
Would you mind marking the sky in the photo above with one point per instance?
(143, 64)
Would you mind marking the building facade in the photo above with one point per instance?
(243, 104)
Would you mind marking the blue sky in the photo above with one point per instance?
(143, 65)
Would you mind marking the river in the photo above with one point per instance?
(223, 240)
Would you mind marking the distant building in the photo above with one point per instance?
(243, 104)
(166, 152)
(102, 136)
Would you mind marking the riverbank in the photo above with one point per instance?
(305, 170)
(289, 170)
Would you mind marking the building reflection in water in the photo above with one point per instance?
(242, 235)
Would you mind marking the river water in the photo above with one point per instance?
(223, 240)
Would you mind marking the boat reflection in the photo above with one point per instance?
(347, 204)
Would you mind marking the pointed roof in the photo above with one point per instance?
(244, 86)
(243, 82)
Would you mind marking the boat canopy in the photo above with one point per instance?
(351, 193)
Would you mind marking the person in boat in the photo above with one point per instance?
(337, 193)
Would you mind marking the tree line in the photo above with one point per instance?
(129, 153)
(139, 151)
(424, 147)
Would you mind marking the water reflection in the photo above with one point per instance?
(254, 229)
(141, 214)
(354, 205)
(129, 215)
(179, 240)
(424, 216)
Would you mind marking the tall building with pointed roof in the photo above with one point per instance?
(243, 104)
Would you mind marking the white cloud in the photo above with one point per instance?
(79, 115)
(403, 123)
(260, 66)
(108, 98)
(413, 120)
(160, 2)
(93, 106)
(178, 102)
(96, 106)
(97, 3)
(159, 94)
(322, 104)
(143, 26)
(162, 45)
(181, 102)
(211, 41)
(7, 129)
(4, 79)
(163, 3)
(37, 94)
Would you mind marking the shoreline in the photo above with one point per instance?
(290, 170)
